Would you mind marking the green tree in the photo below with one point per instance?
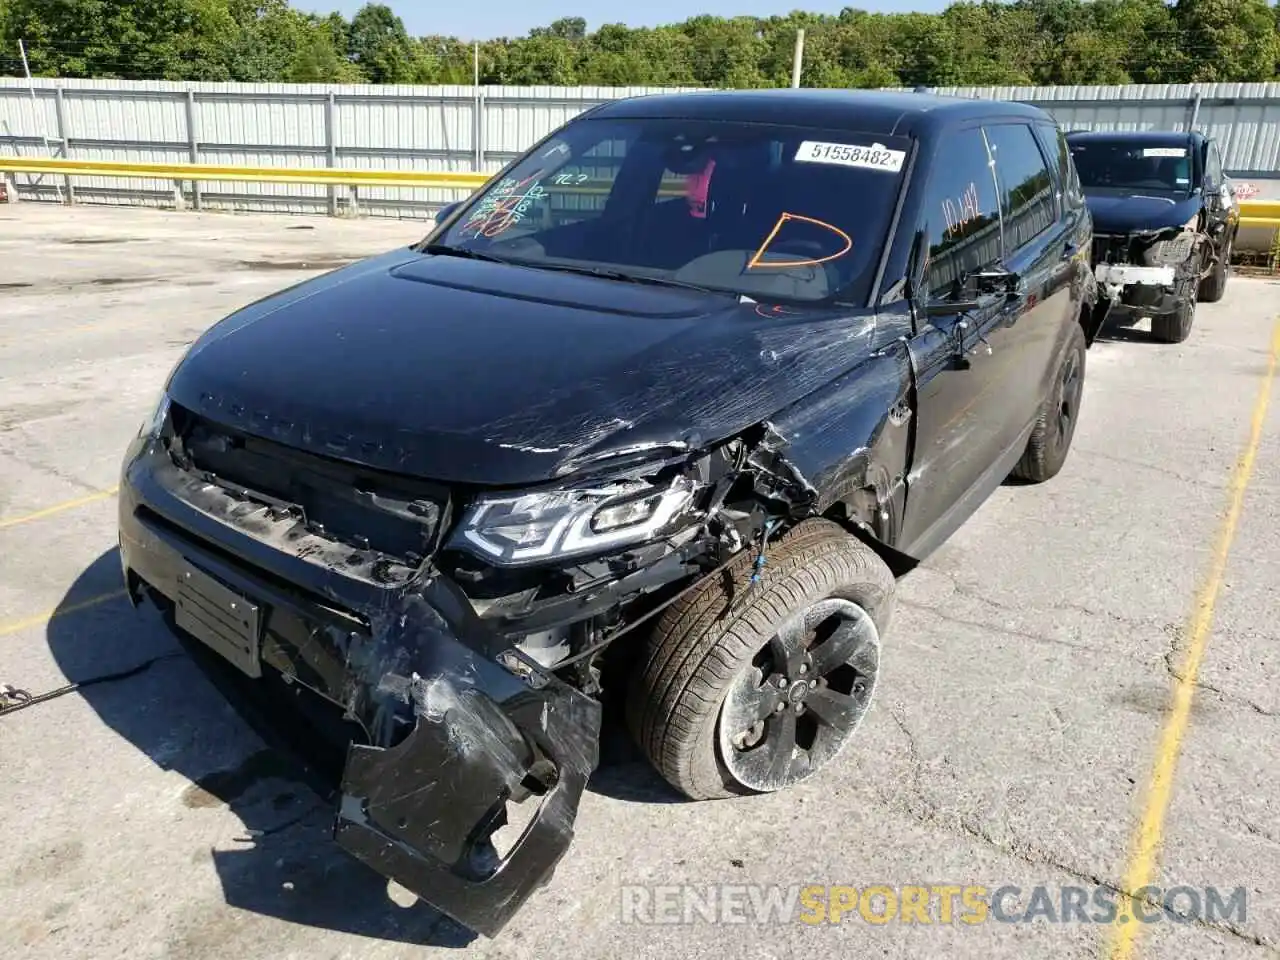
(379, 45)
(1227, 40)
(126, 39)
(971, 42)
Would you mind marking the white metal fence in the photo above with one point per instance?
(461, 128)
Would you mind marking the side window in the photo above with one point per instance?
(1213, 166)
(1047, 136)
(961, 213)
(1067, 174)
(1026, 188)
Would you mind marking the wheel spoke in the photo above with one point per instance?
(759, 703)
(839, 648)
(788, 647)
(836, 710)
(780, 741)
(750, 700)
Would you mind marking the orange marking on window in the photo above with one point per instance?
(755, 259)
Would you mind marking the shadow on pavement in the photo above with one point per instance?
(285, 865)
(1121, 327)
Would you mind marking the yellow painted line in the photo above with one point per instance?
(1144, 851)
(58, 508)
(14, 626)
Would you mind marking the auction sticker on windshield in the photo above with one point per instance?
(874, 157)
(1165, 152)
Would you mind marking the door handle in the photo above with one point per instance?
(1069, 250)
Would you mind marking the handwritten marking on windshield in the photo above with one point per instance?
(569, 179)
(505, 207)
(770, 312)
(756, 262)
(968, 210)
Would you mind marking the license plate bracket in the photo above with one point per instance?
(223, 620)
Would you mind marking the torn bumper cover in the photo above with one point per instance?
(452, 737)
(424, 811)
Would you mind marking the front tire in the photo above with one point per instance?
(1056, 424)
(1175, 327)
(729, 701)
(1214, 286)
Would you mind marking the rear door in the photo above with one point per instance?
(1039, 246)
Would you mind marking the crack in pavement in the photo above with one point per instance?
(1153, 468)
(1008, 631)
(926, 813)
(56, 472)
(1171, 667)
(971, 592)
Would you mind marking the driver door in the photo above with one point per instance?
(961, 351)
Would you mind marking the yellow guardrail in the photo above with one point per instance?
(1260, 213)
(446, 180)
(1253, 213)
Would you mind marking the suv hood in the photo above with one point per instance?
(1123, 213)
(476, 372)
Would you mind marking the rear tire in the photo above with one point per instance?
(1060, 411)
(794, 667)
(1175, 327)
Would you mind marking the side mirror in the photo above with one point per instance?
(993, 280)
(445, 212)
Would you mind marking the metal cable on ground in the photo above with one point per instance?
(12, 699)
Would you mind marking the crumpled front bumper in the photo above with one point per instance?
(1152, 290)
(472, 735)
(1117, 276)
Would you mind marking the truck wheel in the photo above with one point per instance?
(1175, 327)
(1215, 284)
(729, 701)
(1056, 425)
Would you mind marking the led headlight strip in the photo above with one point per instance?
(537, 526)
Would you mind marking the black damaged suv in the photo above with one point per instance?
(1165, 222)
(678, 394)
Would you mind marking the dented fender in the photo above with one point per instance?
(852, 439)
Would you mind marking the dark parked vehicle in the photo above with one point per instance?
(679, 394)
(1165, 221)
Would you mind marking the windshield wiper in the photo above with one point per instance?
(626, 277)
(447, 250)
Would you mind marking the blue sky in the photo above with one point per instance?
(483, 19)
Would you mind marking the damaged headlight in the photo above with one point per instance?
(554, 524)
(154, 423)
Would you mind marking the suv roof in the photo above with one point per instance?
(1155, 138)
(887, 112)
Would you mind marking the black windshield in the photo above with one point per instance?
(769, 211)
(1163, 169)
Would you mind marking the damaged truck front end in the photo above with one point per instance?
(447, 674)
(1149, 271)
